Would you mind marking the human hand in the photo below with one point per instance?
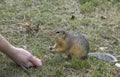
(24, 58)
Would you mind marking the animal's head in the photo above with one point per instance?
(58, 33)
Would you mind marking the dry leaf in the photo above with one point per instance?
(27, 25)
(72, 17)
(103, 17)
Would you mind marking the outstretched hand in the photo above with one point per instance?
(21, 56)
(24, 58)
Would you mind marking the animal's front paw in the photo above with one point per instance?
(68, 57)
(51, 49)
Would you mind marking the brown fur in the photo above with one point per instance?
(70, 44)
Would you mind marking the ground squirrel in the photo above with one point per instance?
(76, 45)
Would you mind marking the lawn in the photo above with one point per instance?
(27, 24)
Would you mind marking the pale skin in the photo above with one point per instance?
(19, 55)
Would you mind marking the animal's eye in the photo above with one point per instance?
(58, 32)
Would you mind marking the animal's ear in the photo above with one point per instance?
(63, 31)
(64, 34)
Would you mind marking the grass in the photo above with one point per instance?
(97, 20)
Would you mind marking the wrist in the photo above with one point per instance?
(10, 51)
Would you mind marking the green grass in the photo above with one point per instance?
(97, 20)
(88, 5)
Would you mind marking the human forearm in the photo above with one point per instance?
(5, 46)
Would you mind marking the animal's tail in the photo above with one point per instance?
(106, 57)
